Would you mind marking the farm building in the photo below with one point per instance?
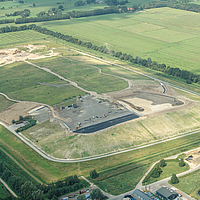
(142, 195)
(166, 193)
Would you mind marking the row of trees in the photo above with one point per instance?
(182, 5)
(24, 13)
(6, 21)
(68, 15)
(82, 3)
(188, 76)
(115, 2)
(27, 190)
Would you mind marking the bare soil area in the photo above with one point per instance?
(13, 112)
(149, 97)
(195, 160)
(8, 56)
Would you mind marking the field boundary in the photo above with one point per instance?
(48, 157)
(30, 174)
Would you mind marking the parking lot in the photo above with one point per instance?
(94, 112)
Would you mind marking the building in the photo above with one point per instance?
(166, 193)
(142, 195)
(128, 197)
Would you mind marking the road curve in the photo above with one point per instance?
(135, 71)
(50, 158)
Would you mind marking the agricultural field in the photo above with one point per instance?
(14, 38)
(4, 103)
(44, 5)
(164, 34)
(85, 76)
(20, 81)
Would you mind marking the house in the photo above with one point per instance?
(142, 195)
(166, 193)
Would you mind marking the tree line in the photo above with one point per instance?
(188, 76)
(182, 5)
(24, 13)
(68, 15)
(6, 21)
(27, 190)
(82, 3)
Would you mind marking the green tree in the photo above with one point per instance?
(181, 163)
(2, 167)
(34, 5)
(38, 195)
(96, 194)
(27, 189)
(94, 174)
(21, 118)
(174, 179)
(81, 197)
(155, 173)
(13, 121)
(162, 163)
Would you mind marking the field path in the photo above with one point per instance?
(7, 97)
(21, 166)
(8, 188)
(61, 77)
(130, 82)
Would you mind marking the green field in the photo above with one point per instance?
(113, 170)
(19, 81)
(85, 76)
(164, 34)
(190, 184)
(20, 37)
(3, 191)
(167, 171)
(45, 5)
(4, 103)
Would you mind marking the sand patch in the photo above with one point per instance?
(13, 112)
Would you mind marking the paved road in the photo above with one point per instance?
(48, 157)
(8, 188)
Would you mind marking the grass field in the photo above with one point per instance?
(167, 171)
(112, 169)
(19, 81)
(164, 34)
(85, 76)
(4, 103)
(44, 5)
(190, 184)
(3, 191)
(20, 37)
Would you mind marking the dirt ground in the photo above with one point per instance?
(8, 56)
(13, 112)
(150, 97)
(196, 158)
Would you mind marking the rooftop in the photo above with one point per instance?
(166, 192)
